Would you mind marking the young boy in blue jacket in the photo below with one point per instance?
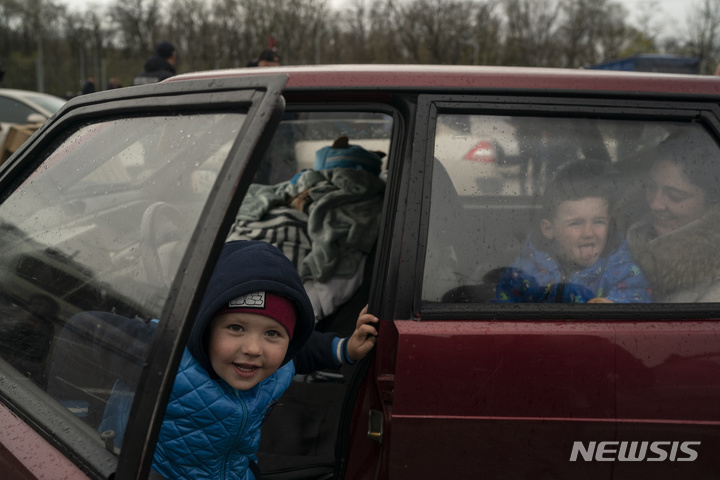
(577, 255)
(254, 331)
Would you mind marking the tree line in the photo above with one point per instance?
(46, 46)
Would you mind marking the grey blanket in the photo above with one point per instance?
(343, 219)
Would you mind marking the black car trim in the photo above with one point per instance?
(385, 273)
(571, 312)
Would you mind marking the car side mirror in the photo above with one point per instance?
(36, 118)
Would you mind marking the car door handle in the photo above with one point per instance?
(375, 425)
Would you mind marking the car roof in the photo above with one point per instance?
(16, 92)
(442, 77)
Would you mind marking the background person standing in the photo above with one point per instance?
(159, 66)
(89, 86)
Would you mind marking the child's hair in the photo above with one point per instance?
(579, 179)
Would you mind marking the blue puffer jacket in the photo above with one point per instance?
(536, 277)
(211, 430)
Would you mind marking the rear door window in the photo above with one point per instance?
(529, 209)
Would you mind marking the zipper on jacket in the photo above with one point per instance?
(238, 436)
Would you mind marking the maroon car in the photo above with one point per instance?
(123, 200)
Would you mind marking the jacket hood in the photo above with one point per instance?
(245, 267)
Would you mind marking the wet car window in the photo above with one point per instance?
(301, 134)
(571, 210)
(91, 242)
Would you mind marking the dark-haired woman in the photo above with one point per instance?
(677, 244)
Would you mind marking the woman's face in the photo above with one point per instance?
(673, 199)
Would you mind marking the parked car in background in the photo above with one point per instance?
(652, 62)
(24, 106)
(122, 202)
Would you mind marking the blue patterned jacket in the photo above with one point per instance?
(535, 277)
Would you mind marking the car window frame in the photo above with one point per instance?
(261, 97)
(580, 104)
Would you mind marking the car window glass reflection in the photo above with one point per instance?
(493, 237)
(301, 134)
(92, 241)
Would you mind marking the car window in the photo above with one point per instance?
(512, 218)
(13, 111)
(91, 243)
(301, 134)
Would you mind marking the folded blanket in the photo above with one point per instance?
(284, 227)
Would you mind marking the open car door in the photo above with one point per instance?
(112, 216)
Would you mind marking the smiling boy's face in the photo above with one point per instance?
(246, 348)
(579, 229)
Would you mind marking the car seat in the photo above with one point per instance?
(93, 351)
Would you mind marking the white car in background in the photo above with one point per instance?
(24, 106)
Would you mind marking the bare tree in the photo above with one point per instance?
(614, 35)
(531, 27)
(704, 39)
(384, 45)
(138, 23)
(193, 32)
(11, 26)
(649, 22)
(230, 43)
(78, 37)
(436, 31)
(303, 30)
(358, 25)
(486, 38)
(241, 29)
(592, 31)
(41, 29)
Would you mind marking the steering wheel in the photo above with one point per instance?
(161, 230)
